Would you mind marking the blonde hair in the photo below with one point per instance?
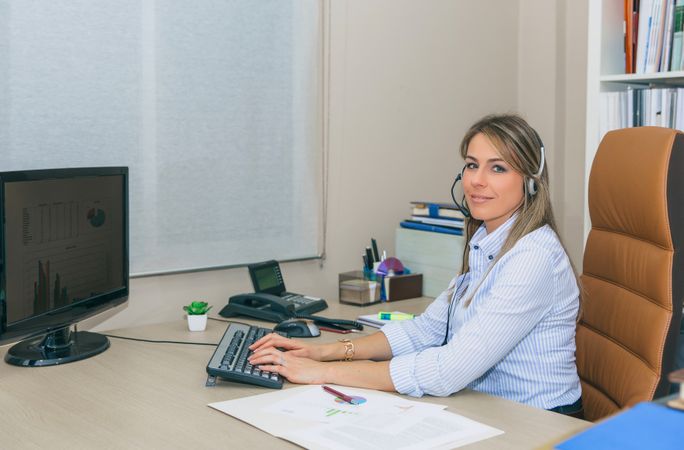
(520, 146)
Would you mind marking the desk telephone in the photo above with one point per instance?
(271, 301)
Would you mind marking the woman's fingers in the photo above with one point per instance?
(274, 368)
(265, 356)
(272, 340)
(296, 370)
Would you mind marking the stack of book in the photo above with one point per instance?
(654, 32)
(431, 243)
(435, 217)
(636, 107)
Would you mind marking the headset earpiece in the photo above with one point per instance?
(531, 182)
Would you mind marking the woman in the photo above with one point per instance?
(505, 326)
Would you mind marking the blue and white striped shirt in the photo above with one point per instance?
(515, 340)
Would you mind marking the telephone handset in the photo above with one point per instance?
(271, 301)
(259, 305)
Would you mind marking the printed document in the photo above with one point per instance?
(313, 418)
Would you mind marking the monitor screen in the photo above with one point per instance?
(64, 240)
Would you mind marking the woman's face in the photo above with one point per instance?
(493, 190)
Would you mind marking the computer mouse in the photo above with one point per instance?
(298, 328)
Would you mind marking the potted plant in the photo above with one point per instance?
(197, 315)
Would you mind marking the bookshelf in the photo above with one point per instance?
(606, 73)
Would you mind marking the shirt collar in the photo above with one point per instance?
(489, 245)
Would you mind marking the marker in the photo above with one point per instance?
(394, 316)
(365, 262)
(374, 244)
(341, 396)
(384, 255)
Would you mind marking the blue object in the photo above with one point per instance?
(383, 294)
(646, 425)
(368, 274)
(428, 227)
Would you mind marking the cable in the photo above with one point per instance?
(171, 342)
(159, 342)
(453, 300)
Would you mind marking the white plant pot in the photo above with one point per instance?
(197, 322)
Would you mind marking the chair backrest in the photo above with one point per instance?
(633, 271)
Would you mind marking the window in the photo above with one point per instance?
(214, 106)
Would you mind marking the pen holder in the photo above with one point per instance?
(357, 287)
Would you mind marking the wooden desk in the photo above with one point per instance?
(147, 395)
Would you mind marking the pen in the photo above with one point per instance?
(369, 255)
(340, 395)
(394, 316)
(336, 330)
(374, 244)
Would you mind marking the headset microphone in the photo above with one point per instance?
(461, 206)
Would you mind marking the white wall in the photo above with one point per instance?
(407, 77)
(552, 95)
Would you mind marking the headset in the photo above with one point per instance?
(531, 182)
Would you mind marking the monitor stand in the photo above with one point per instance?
(59, 347)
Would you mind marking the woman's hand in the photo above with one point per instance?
(295, 368)
(293, 347)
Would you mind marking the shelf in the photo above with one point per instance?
(674, 78)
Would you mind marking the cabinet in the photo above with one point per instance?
(606, 73)
(436, 255)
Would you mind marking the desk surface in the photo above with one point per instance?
(149, 395)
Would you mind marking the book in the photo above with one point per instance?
(666, 52)
(428, 227)
(629, 36)
(436, 210)
(646, 425)
(453, 223)
(677, 36)
(644, 31)
(655, 36)
(372, 320)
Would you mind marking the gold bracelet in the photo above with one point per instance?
(348, 349)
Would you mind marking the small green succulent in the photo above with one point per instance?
(197, 308)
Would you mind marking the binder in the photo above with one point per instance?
(428, 227)
(646, 425)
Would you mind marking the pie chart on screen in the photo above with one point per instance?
(96, 217)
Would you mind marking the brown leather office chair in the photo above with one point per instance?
(633, 280)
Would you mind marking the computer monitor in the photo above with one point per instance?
(64, 258)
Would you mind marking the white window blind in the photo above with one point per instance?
(214, 106)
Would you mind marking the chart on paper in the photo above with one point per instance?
(319, 406)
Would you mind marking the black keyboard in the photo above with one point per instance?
(229, 360)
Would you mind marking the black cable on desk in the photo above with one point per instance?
(159, 342)
(168, 342)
